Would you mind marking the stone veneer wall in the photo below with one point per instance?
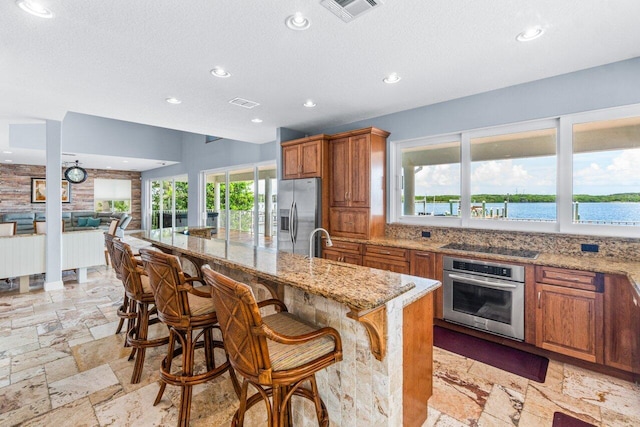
(562, 244)
(15, 191)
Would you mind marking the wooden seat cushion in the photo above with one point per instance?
(283, 356)
(200, 305)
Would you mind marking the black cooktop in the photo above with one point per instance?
(520, 253)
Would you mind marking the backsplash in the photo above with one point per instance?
(562, 244)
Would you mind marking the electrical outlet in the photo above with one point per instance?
(426, 234)
(589, 248)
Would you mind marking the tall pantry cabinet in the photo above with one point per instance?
(357, 183)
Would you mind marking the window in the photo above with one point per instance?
(112, 195)
(571, 174)
(606, 178)
(513, 176)
(431, 178)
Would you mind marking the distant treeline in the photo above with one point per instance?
(534, 198)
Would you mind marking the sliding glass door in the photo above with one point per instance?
(240, 204)
(169, 203)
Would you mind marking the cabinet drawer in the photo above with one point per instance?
(576, 279)
(340, 256)
(386, 252)
(342, 246)
(387, 263)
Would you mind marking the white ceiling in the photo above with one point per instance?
(121, 59)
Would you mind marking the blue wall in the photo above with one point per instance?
(98, 135)
(596, 88)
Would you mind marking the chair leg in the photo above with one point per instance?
(141, 332)
(122, 309)
(277, 420)
(166, 364)
(243, 403)
(187, 371)
(321, 412)
(208, 349)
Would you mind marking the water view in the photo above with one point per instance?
(603, 213)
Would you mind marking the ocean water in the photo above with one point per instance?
(613, 212)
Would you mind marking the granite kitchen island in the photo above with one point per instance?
(385, 320)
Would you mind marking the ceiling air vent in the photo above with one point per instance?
(348, 10)
(243, 103)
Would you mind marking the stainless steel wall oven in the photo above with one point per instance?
(484, 295)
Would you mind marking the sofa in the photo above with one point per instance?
(73, 221)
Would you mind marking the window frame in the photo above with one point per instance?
(564, 176)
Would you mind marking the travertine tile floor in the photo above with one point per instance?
(62, 365)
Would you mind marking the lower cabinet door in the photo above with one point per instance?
(349, 222)
(569, 321)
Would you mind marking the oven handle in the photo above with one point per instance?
(482, 282)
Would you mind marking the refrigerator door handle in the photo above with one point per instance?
(295, 223)
(291, 226)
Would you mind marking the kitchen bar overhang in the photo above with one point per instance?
(365, 291)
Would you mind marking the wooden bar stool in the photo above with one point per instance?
(138, 290)
(275, 354)
(185, 309)
(127, 311)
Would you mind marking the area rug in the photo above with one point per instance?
(564, 420)
(508, 359)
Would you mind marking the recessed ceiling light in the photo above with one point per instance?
(309, 104)
(34, 9)
(256, 120)
(8, 160)
(108, 167)
(7, 152)
(220, 72)
(297, 22)
(174, 101)
(125, 161)
(392, 78)
(530, 34)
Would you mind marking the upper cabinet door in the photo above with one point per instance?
(311, 159)
(360, 159)
(303, 158)
(291, 162)
(340, 172)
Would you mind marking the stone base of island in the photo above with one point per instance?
(384, 319)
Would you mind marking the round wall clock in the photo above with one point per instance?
(75, 174)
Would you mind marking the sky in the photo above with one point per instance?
(599, 173)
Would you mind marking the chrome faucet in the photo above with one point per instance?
(329, 242)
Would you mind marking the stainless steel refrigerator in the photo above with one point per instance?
(299, 214)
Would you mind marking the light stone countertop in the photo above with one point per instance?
(586, 262)
(359, 288)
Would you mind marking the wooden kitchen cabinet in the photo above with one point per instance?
(621, 324)
(346, 222)
(386, 258)
(348, 252)
(569, 312)
(350, 161)
(357, 162)
(429, 265)
(304, 158)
